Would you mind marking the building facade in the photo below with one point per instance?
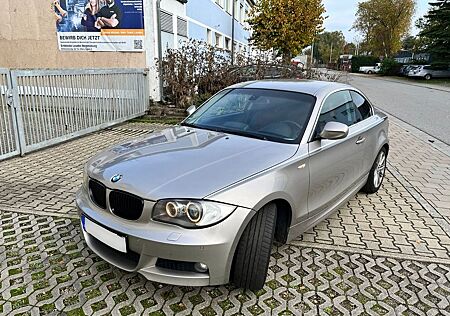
(28, 37)
(206, 20)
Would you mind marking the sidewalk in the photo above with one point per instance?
(387, 253)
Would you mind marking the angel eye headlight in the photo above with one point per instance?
(194, 212)
(174, 209)
(191, 213)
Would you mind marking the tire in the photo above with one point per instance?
(427, 77)
(370, 72)
(252, 256)
(376, 174)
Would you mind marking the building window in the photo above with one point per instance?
(209, 36)
(228, 6)
(166, 22)
(227, 43)
(182, 27)
(218, 42)
(241, 13)
(236, 9)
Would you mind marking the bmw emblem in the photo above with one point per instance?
(116, 178)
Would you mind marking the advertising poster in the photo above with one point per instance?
(100, 25)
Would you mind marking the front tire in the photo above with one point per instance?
(252, 256)
(377, 172)
(427, 77)
(369, 72)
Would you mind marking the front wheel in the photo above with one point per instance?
(369, 72)
(377, 172)
(427, 77)
(252, 256)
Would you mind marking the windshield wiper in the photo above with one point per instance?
(227, 131)
(241, 133)
(188, 124)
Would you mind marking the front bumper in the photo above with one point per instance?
(149, 241)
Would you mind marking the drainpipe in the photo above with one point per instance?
(160, 56)
(232, 32)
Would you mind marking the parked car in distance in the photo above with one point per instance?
(371, 69)
(430, 71)
(200, 203)
(405, 69)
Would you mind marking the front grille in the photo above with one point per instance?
(175, 265)
(126, 205)
(97, 192)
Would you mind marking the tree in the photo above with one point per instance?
(435, 28)
(383, 23)
(286, 26)
(329, 46)
(409, 42)
(350, 49)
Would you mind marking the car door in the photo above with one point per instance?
(365, 127)
(335, 165)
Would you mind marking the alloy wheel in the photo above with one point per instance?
(379, 169)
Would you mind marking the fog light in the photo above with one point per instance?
(200, 267)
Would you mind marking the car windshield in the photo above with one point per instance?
(273, 115)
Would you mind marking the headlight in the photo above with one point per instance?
(191, 213)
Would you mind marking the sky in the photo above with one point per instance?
(341, 14)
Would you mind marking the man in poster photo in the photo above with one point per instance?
(109, 16)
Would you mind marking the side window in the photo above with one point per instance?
(362, 105)
(338, 107)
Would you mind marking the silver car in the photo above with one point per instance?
(428, 71)
(201, 203)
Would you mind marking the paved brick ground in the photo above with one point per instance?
(387, 253)
(46, 181)
(424, 167)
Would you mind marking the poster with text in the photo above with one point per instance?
(100, 25)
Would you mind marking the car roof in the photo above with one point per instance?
(313, 87)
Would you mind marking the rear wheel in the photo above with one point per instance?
(252, 256)
(427, 77)
(370, 72)
(377, 172)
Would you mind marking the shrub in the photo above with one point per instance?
(360, 61)
(389, 67)
(196, 71)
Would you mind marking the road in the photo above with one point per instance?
(425, 108)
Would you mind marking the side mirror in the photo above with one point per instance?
(334, 130)
(191, 109)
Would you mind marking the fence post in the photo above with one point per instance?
(18, 124)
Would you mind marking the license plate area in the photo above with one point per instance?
(104, 235)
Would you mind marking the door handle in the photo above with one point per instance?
(360, 140)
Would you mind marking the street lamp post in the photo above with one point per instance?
(158, 31)
(232, 31)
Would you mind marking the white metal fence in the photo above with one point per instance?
(8, 134)
(46, 107)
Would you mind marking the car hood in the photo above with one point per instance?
(183, 162)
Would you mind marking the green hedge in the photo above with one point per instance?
(360, 61)
(390, 67)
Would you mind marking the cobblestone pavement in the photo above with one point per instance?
(381, 254)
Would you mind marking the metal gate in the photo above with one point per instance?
(8, 133)
(51, 106)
